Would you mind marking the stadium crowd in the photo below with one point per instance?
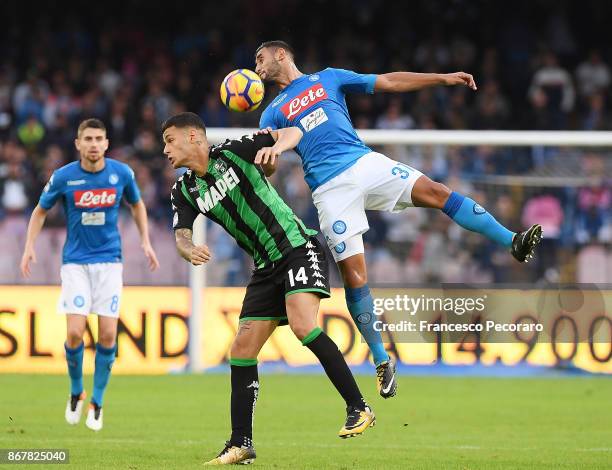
(538, 74)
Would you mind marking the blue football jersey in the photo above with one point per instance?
(316, 104)
(91, 202)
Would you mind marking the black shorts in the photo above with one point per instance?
(304, 269)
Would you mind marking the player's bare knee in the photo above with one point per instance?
(436, 195)
(441, 194)
(353, 275)
(302, 311)
(428, 193)
(74, 337)
(238, 347)
(107, 339)
(237, 350)
(301, 329)
(242, 349)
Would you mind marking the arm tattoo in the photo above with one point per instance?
(184, 244)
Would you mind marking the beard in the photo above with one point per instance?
(273, 72)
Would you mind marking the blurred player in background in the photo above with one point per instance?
(90, 190)
(291, 274)
(346, 177)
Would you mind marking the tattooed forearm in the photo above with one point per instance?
(184, 244)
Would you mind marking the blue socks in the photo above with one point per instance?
(74, 358)
(104, 362)
(474, 217)
(361, 305)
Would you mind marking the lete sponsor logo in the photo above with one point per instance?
(304, 100)
(105, 197)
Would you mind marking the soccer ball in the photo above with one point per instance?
(242, 90)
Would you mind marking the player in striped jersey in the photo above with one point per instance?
(291, 274)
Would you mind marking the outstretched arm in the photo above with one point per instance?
(398, 82)
(37, 220)
(286, 139)
(139, 212)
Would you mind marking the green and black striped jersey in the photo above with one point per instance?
(236, 194)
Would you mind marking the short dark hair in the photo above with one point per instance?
(91, 123)
(275, 45)
(182, 120)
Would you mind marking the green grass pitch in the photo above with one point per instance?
(180, 421)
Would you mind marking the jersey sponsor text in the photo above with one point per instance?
(218, 191)
(104, 197)
(304, 100)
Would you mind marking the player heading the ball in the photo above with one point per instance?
(346, 177)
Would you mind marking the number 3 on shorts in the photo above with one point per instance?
(400, 170)
(300, 276)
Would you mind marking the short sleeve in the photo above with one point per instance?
(247, 146)
(52, 192)
(267, 120)
(352, 82)
(131, 191)
(183, 212)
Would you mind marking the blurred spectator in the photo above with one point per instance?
(424, 108)
(481, 160)
(457, 113)
(493, 109)
(394, 117)
(462, 53)
(30, 133)
(542, 115)
(160, 101)
(594, 220)
(148, 150)
(121, 121)
(552, 86)
(592, 75)
(29, 98)
(15, 187)
(109, 80)
(594, 214)
(559, 31)
(596, 116)
(545, 209)
(489, 66)
(60, 102)
(432, 52)
(213, 113)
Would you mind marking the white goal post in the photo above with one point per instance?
(435, 137)
(381, 137)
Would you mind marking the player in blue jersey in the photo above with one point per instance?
(346, 177)
(90, 190)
